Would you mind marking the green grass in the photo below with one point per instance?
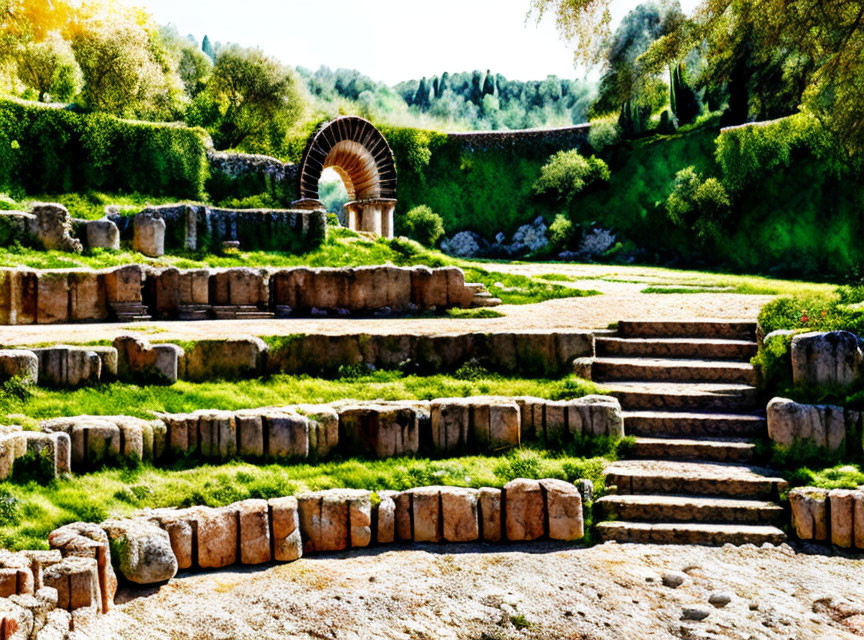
(128, 399)
(841, 476)
(91, 205)
(30, 511)
(481, 312)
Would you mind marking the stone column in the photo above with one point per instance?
(372, 215)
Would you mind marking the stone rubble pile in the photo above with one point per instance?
(442, 427)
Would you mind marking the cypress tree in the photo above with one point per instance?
(476, 87)
(421, 96)
(443, 84)
(207, 48)
(682, 98)
(489, 84)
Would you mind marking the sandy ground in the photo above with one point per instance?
(476, 592)
(620, 301)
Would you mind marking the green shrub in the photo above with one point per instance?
(50, 150)
(568, 173)
(560, 232)
(604, 133)
(423, 225)
(698, 205)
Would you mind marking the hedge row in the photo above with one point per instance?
(50, 150)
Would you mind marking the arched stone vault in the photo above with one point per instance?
(358, 152)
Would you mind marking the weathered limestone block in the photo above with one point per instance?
(39, 561)
(247, 287)
(524, 510)
(426, 514)
(142, 550)
(103, 234)
(555, 421)
(595, 416)
(809, 513)
(790, 423)
(40, 606)
(124, 284)
(63, 366)
(404, 509)
(77, 583)
(531, 411)
(19, 363)
(459, 514)
(182, 436)
(858, 518)
(53, 228)
(842, 510)
(384, 517)
(287, 435)
(52, 297)
(254, 520)
(380, 430)
(165, 291)
(93, 440)
(217, 434)
(179, 527)
(250, 434)
(87, 297)
(564, 510)
(335, 520)
(109, 359)
(193, 287)
(57, 624)
(216, 535)
(18, 293)
(495, 423)
(826, 359)
(429, 287)
(285, 523)
(166, 366)
(149, 234)
(323, 428)
(16, 575)
(85, 540)
(450, 422)
(230, 358)
(16, 622)
(489, 501)
(140, 361)
(458, 295)
(51, 449)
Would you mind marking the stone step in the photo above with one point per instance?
(672, 370)
(485, 302)
(126, 317)
(723, 450)
(654, 508)
(695, 425)
(611, 346)
(254, 315)
(689, 533)
(671, 396)
(692, 478)
(713, 329)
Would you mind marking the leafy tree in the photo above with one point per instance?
(698, 205)
(258, 100)
(50, 69)
(568, 173)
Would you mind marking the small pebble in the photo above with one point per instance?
(720, 599)
(674, 579)
(694, 613)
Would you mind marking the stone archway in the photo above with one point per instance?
(358, 152)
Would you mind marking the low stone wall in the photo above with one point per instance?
(377, 430)
(76, 579)
(46, 297)
(835, 517)
(180, 227)
(829, 428)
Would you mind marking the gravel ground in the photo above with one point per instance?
(539, 591)
(620, 301)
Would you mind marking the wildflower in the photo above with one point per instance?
(804, 319)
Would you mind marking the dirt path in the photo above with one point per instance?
(473, 592)
(620, 301)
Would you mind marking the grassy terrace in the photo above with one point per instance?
(19, 406)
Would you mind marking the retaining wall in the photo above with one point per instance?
(62, 296)
(78, 578)
(835, 517)
(440, 428)
(829, 428)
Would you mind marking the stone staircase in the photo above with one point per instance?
(482, 297)
(689, 397)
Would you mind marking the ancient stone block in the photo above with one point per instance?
(143, 550)
(489, 502)
(819, 425)
(216, 536)
(288, 435)
(826, 359)
(323, 429)
(247, 287)
(380, 430)
(179, 527)
(217, 434)
(555, 422)
(76, 581)
(68, 366)
(809, 513)
(250, 434)
(110, 362)
(167, 362)
(53, 228)
(384, 516)
(39, 561)
(459, 514)
(404, 529)
(426, 513)
(323, 522)
(93, 440)
(450, 422)
(230, 359)
(563, 510)
(842, 517)
(524, 510)
(254, 520)
(52, 298)
(182, 433)
(87, 297)
(85, 540)
(18, 289)
(595, 416)
(194, 287)
(149, 234)
(103, 234)
(21, 364)
(166, 292)
(124, 284)
(285, 522)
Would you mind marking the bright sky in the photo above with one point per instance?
(388, 40)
